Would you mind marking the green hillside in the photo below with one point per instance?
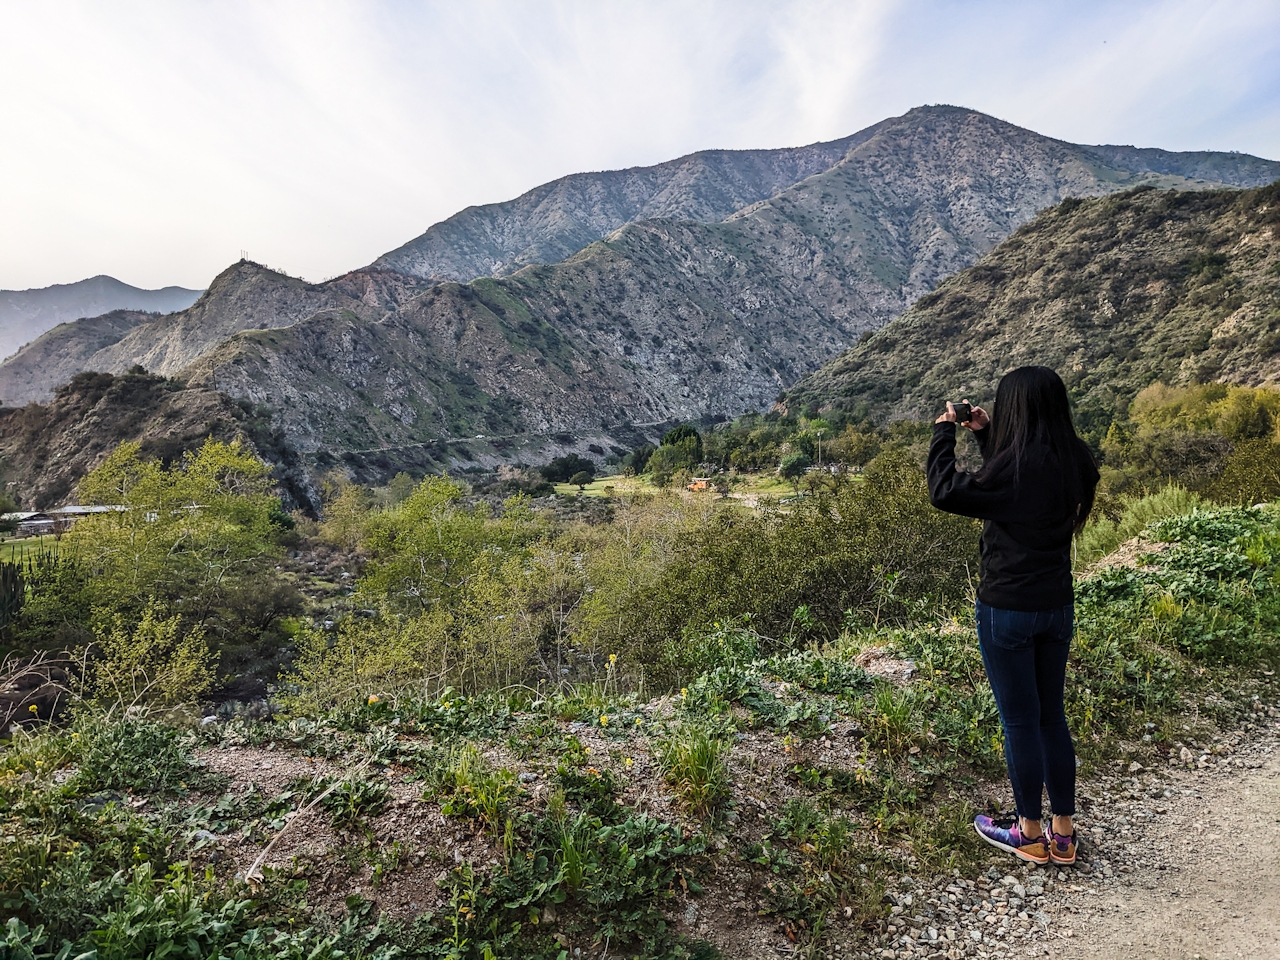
(1114, 293)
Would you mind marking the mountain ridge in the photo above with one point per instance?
(659, 320)
(26, 314)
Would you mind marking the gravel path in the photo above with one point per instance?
(1181, 862)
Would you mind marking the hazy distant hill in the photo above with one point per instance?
(25, 314)
(1113, 293)
(709, 313)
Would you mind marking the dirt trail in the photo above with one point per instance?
(1200, 878)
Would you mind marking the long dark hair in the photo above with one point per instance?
(1031, 408)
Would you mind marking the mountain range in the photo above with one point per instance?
(26, 314)
(602, 306)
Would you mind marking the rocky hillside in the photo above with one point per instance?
(245, 296)
(666, 318)
(557, 219)
(25, 314)
(46, 448)
(671, 319)
(1113, 292)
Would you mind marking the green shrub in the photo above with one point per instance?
(133, 754)
(1102, 535)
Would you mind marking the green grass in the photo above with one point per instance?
(99, 819)
(17, 550)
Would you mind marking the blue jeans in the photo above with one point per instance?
(1025, 654)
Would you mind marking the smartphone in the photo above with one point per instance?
(964, 412)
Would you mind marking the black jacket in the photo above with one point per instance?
(1026, 534)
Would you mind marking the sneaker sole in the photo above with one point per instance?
(1016, 851)
(1062, 860)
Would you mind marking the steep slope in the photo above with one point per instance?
(557, 219)
(1113, 293)
(46, 448)
(245, 296)
(26, 314)
(59, 354)
(664, 319)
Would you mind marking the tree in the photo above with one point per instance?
(666, 461)
(687, 439)
(346, 516)
(855, 447)
(793, 467)
(561, 469)
(580, 480)
(181, 534)
(399, 488)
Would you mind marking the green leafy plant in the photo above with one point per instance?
(693, 762)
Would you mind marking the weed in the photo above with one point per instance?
(693, 761)
(138, 755)
(354, 799)
(475, 789)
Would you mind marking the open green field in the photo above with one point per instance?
(17, 550)
(748, 485)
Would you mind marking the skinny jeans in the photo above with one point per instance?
(1025, 654)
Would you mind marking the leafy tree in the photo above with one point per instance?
(854, 446)
(7, 505)
(181, 535)
(637, 461)
(346, 517)
(580, 480)
(561, 469)
(157, 662)
(793, 467)
(686, 438)
(399, 488)
(667, 460)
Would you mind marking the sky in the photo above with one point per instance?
(158, 142)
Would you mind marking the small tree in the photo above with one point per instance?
(793, 467)
(580, 480)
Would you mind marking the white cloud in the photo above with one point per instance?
(154, 141)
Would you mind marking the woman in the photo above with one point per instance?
(1034, 492)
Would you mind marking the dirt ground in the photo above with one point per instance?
(1205, 880)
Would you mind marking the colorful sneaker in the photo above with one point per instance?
(1062, 849)
(1007, 836)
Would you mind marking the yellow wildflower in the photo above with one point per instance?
(613, 658)
(628, 761)
(604, 720)
(373, 698)
(639, 721)
(33, 708)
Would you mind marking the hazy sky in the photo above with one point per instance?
(156, 141)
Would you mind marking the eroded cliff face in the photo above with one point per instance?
(711, 312)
